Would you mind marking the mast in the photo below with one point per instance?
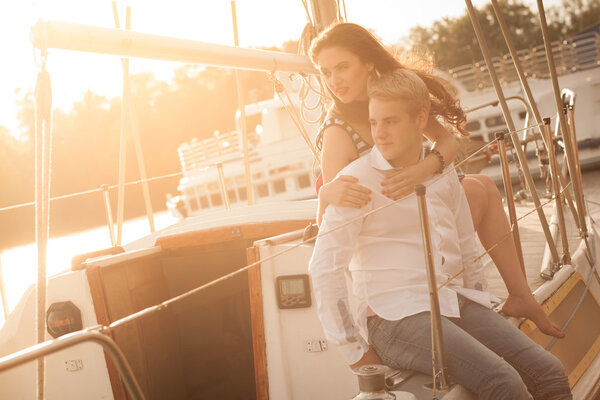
(324, 13)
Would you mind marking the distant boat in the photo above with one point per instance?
(578, 62)
(282, 166)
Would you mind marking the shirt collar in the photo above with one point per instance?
(378, 162)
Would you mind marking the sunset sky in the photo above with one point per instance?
(261, 23)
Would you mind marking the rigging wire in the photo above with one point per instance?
(297, 118)
(175, 174)
(310, 21)
(307, 88)
(321, 102)
(501, 240)
(150, 310)
(593, 202)
(293, 113)
(345, 13)
(139, 181)
(84, 192)
(166, 303)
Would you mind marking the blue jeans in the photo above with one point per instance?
(483, 351)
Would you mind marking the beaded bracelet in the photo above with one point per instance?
(440, 157)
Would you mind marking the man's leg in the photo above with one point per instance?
(541, 371)
(406, 344)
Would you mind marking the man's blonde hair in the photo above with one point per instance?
(401, 84)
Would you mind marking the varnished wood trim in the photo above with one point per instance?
(575, 357)
(99, 300)
(258, 325)
(228, 233)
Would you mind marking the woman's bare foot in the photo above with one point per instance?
(529, 308)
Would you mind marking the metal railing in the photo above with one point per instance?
(578, 53)
(93, 334)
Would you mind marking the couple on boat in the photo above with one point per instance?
(372, 155)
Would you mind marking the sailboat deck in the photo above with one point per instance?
(533, 244)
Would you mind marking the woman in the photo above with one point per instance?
(346, 55)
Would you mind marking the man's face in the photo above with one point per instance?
(396, 133)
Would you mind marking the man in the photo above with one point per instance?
(484, 352)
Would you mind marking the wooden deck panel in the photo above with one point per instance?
(533, 244)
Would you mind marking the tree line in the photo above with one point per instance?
(197, 102)
(452, 41)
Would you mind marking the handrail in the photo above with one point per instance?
(577, 54)
(496, 102)
(93, 334)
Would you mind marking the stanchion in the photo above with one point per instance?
(512, 211)
(578, 177)
(222, 185)
(109, 218)
(437, 338)
(562, 228)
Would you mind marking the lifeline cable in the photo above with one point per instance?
(166, 303)
(149, 310)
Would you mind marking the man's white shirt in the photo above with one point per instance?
(388, 270)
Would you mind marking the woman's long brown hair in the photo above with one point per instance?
(368, 48)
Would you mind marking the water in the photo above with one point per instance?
(19, 264)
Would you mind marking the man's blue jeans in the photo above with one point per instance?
(484, 353)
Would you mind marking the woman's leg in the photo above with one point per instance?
(406, 344)
(491, 224)
(489, 220)
(543, 373)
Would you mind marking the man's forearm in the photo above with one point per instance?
(330, 260)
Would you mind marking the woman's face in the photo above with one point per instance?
(344, 73)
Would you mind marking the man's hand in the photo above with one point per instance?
(370, 357)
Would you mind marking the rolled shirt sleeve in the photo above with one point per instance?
(330, 259)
